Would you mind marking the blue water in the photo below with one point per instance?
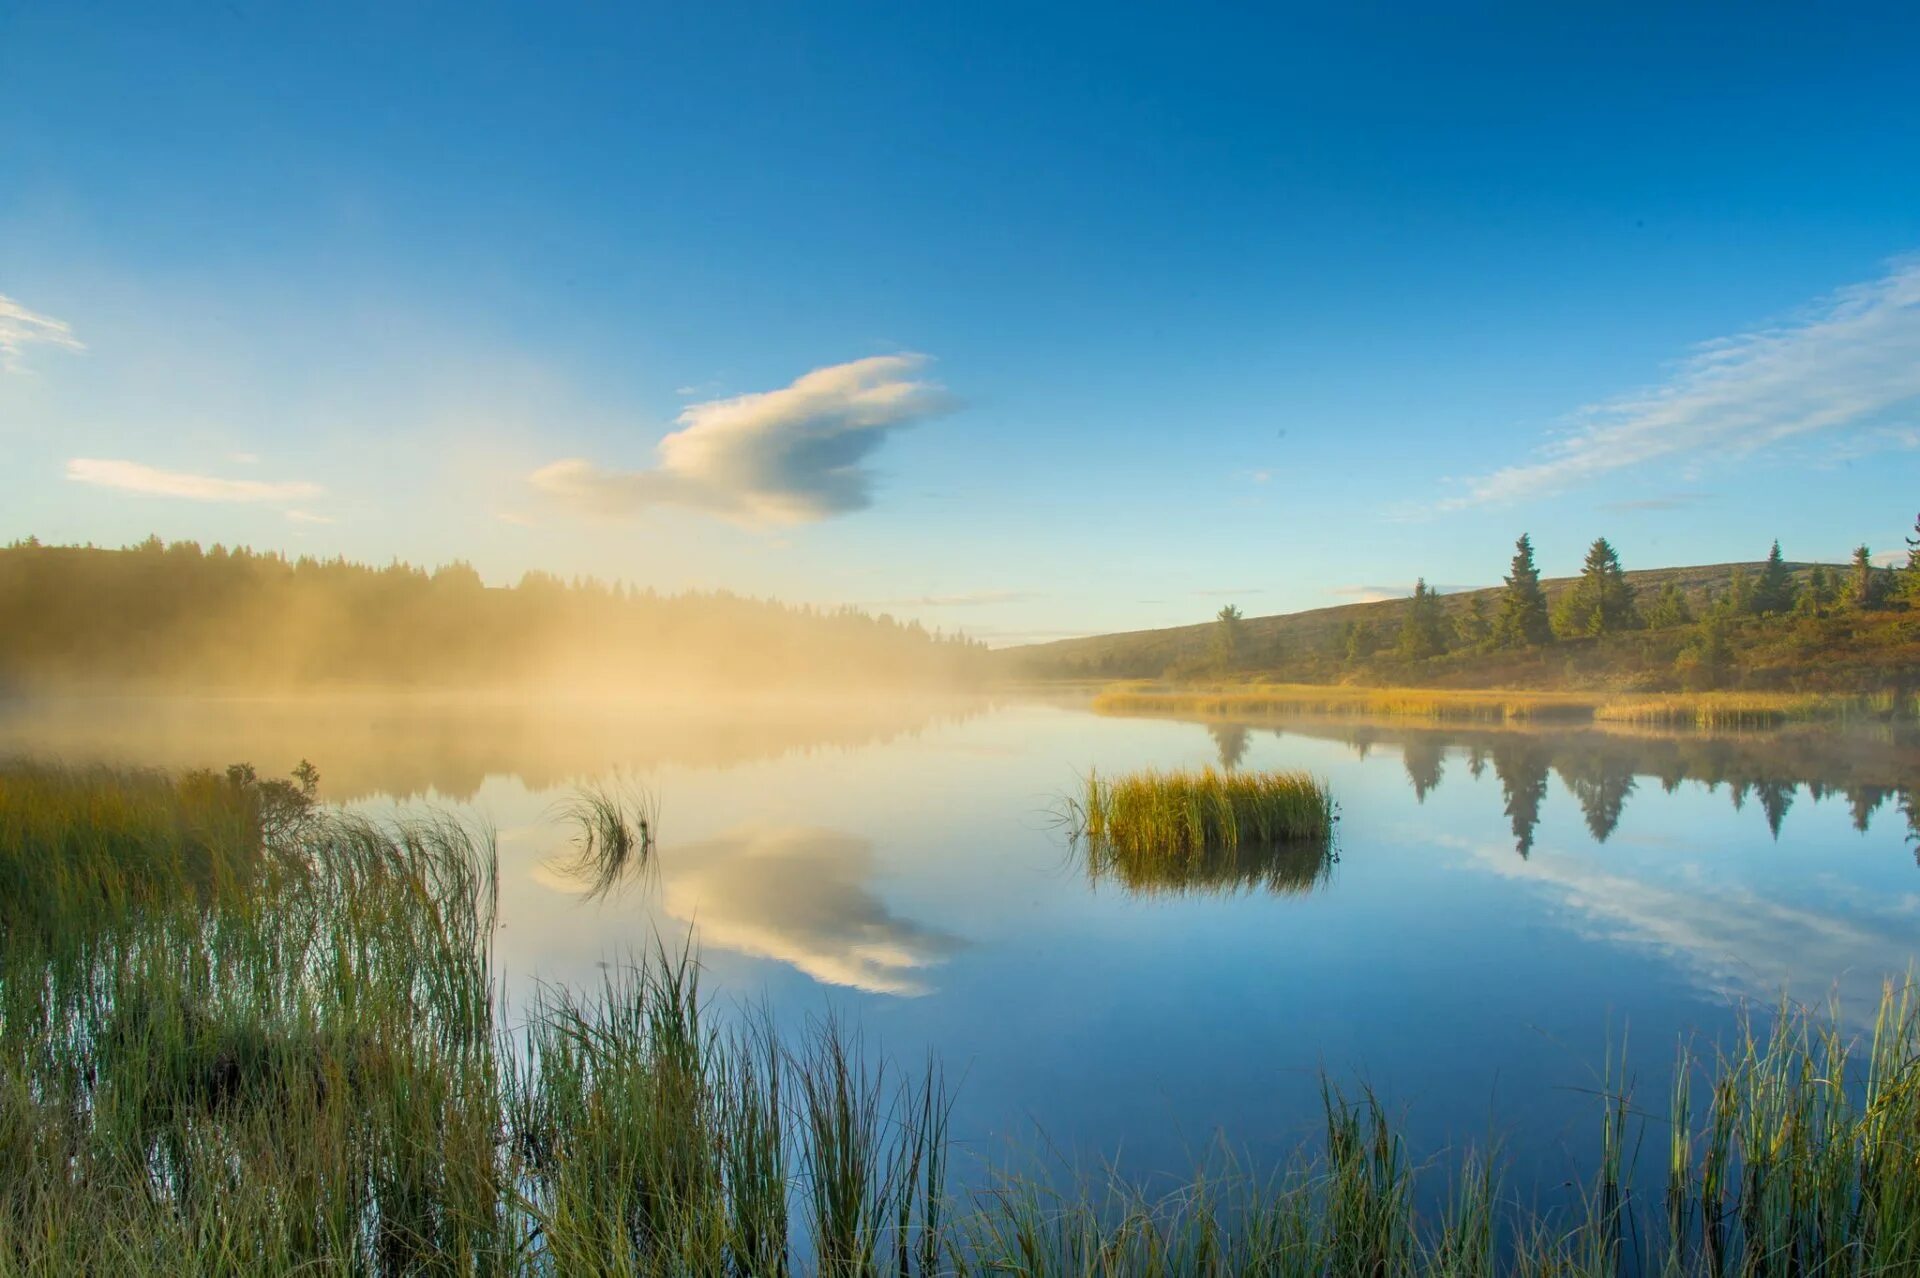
(899, 867)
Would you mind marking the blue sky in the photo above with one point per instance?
(1026, 322)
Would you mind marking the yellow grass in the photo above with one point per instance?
(1701, 710)
(1311, 699)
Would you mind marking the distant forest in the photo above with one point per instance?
(175, 615)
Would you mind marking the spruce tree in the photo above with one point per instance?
(1670, 608)
(1226, 637)
(1522, 621)
(1421, 632)
(1861, 593)
(1471, 624)
(1816, 595)
(1910, 577)
(1774, 591)
(1601, 602)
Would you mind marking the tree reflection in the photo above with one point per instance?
(1602, 769)
(1231, 740)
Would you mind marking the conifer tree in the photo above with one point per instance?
(1601, 602)
(1670, 608)
(1522, 620)
(1226, 637)
(1816, 595)
(1358, 641)
(1471, 624)
(1910, 577)
(1421, 633)
(1862, 592)
(1774, 591)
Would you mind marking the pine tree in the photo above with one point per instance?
(1522, 621)
(1739, 598)
(1471, 625)
(1816, 595)
(1774, 591)
(1601, 602)
(1705, 660)
(1910, 576)
(1421, 633)
(1358, 641)
(1862, 592)
(1226, 637)
(1670, 608)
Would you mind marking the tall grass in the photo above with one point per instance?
(1748, 710)
(1320, 700)
(295, 1063)
(1206, 830)
(1708, 710)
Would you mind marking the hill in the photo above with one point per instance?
(1825, 647)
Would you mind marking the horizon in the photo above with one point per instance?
(1056, 325)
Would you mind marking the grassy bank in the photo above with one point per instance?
(242, 1035)
(1705, 709)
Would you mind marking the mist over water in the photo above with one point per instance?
(1502, 906)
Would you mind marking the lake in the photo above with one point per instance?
(1505, 908)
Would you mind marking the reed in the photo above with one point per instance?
(1197, 812)
(1746, 710)
(1333, 701)
(1705, 710)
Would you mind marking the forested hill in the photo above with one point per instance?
(177, 616)
(1699, 626)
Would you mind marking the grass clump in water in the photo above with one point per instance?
(1189, 811)
(614, 828)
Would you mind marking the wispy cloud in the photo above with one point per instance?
(1666, 501)
(789, 456)
(135, 478)
(1375, 594)
(1887, 439)
(1230, 593)
(1852, 356)
(309, 517)
(21, 328)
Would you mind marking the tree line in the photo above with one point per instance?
(175, 614)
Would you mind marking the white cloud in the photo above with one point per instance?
(788, 456)
(21, 328)
(135, 478)
(1852, 356)
(308, 517)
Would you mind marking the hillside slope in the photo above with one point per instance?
(1288, 638)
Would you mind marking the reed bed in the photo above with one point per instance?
(1747, 710)
(296, 1063)
(1206, 830)
(1306, 699)
(1705, 710)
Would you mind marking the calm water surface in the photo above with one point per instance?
(1505, 906)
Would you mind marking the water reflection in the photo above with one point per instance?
(1230, 740)
(412, 746)
(1283, 869)
(799, 896)
(1603, 769)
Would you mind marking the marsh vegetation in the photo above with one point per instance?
(241, 1033)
